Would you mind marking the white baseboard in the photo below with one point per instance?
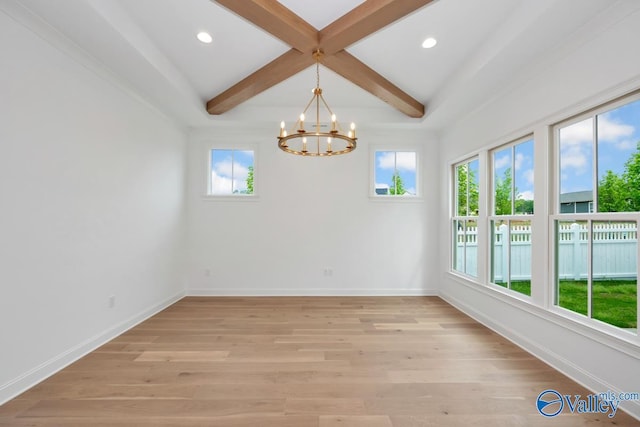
(561, 364)
(38, 374)
(319, 292)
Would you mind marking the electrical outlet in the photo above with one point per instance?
(112, 301)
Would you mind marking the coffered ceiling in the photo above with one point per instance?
(151, 46)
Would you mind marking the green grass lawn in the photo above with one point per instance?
(522, 286)
(613, 301)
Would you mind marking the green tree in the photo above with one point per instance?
(467, 191)
(524, 206)
(631, 177)
(397, 186)
(503, 193)
(250, 181)
(612, 194)
(621, 193)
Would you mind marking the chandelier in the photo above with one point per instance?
(315, 141)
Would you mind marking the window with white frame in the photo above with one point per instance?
(597, 212)
(466, 196)
(510, 220)
(395, 173)
(231, 172)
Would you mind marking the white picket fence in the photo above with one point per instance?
(615, 247)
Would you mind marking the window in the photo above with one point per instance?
(510, 222)
(596, 220)
(600, 161)
(465, 219)
(231, 172)
(395, 173)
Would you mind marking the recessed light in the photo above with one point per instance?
(204, 37)
(429, 43)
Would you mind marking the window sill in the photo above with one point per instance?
(396, 199)
(617, 339)
(231, 198)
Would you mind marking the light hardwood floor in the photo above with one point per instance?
(302, 362)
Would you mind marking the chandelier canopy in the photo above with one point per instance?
(315, 141)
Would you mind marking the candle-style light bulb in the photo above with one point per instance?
(333, 122)
(329, 145)
(302, 121)
(353, 130)
(304, 145)
(282, 132)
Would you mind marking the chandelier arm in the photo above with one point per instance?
(304, 112)
(326, 105)
(318, 95)
(309, 103)
(329, 110)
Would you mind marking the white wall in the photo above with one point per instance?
(92, 206)
(311, 214)
(574, 78)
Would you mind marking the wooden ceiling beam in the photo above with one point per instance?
(278, 70)
(364, 20)
(351, 68)
(277, 20)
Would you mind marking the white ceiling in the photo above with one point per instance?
(151, 45)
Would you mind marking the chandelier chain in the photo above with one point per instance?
(318, 71)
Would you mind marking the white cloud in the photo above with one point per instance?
(525, 195)
(387, 161)
(613, 132)
(576, 147)
(577, 157)
(228, 169)
(609, 132)
(505, 161)
(502, 161)
(528, 176)
(402, 160)
(626, 145)
(220, 184)
(577, 134)
(574, 159)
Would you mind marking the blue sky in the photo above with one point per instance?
(229, 170)
(388, 161)
(520, 159)
(618, 133)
